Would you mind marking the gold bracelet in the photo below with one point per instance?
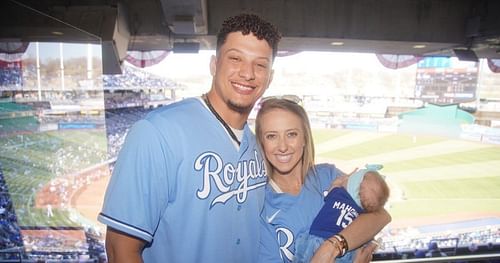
(336, 245)
(344, 247)
(344, 242)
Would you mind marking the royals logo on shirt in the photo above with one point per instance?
(230, 181)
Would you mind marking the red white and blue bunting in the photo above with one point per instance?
(144, 59)
(398, 61)
(494, 65)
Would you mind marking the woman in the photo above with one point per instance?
(295, 192)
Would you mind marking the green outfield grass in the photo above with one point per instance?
(461, 180)
(30, 161)
(462, 188)
(439, 184)
(439, 208)
(388, 143)
(322, 135)
(472, 157)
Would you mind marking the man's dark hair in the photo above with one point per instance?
(250, 23)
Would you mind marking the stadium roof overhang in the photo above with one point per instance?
(421, 27)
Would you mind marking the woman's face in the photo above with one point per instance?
(283, 141)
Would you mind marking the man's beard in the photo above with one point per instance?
(239, 108)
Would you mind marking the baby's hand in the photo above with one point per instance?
(340, 181)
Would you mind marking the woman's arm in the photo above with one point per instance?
(365, 227)
(360, 231)
(123, 248)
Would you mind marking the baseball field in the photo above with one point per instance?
(433, 180)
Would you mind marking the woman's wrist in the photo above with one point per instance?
(337, 247)
(340, 244)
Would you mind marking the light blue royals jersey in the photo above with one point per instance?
(181, 185)
(285, 216)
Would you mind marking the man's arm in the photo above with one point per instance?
(123, 248)
(360, 231)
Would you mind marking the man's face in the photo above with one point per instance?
(242, 71)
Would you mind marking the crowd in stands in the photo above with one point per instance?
(11, 76)
(411, 239)
(10, 235)
(118, 121)
(61, 162)
(15, 246)
(125, 108)
(124, 99)
(132, 78)
(48, 242)
(95, 241)
(411, 244)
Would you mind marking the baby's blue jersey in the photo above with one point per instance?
(182, 186)
(285, 216)
(338, 211)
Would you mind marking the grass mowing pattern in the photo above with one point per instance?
(323, 135)
(388, 143)
(435, 185)
(457, 158)
(30, 161)
(457, 182)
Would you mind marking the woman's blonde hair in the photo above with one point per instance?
(269, 104)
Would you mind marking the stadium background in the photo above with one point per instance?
(62, 126)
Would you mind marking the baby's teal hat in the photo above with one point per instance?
(355, 179)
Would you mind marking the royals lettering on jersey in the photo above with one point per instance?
(285, 241)
(286, 238)
(224, 176)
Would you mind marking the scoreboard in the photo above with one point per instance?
(446, 80)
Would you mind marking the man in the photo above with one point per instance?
(188, 182)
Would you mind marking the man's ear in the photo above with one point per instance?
(213, 65)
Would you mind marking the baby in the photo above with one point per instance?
(363, 191)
